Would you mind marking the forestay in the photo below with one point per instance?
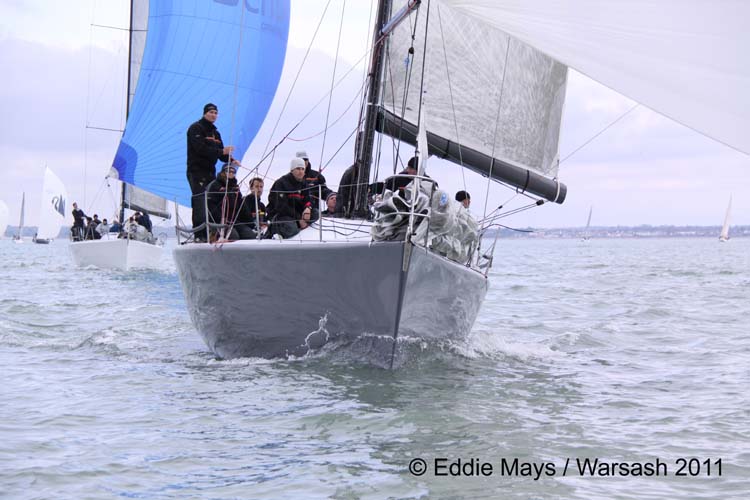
(686, 59)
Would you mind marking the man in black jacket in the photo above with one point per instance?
(289, 202)
(256, 208)
(225, 205)
(204, 149)
(78, 223)
(313, 179)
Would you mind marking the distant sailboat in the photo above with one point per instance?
(18, 238)
(136, 248)
(52, 208)
(588, 223)
(724, 236)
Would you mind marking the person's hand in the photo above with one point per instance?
(227, 150)
(305, 221)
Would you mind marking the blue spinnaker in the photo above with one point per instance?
(196, 52)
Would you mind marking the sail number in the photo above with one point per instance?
(263, 7)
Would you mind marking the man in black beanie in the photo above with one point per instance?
(204, 149)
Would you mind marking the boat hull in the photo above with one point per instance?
(122, 254)
(276, 299)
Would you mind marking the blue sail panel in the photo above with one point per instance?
(196, 52)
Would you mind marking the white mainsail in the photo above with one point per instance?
(588, 224)
(725, 228)
(52, 207)
(686, 59)
(19, 235)
(487, 91)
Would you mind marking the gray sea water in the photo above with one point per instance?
(627, 351)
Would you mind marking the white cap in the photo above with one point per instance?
(302, 154)
(296, 163)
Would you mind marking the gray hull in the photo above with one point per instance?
(272, 299)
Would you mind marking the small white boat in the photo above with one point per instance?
(724, 236)
(18, 237)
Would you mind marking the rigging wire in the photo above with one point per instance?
(294, 83)
(453, 106)
(600, 132)
(286, 136)
(88, 100)
(333, 79)
(409, 62)
(497, 122)
(423, 154)
(329, 126)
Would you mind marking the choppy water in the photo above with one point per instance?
(622, 350)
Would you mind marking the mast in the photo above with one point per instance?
(366, 139)
(127, 104)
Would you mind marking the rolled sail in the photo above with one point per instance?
(191, 57)
(494, 103)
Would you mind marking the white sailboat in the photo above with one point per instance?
(496, 91)
(4, 213)
(18, 237)
(382, 285)
(133, 248)
(52, 208)
(588, 224)
(724, 236)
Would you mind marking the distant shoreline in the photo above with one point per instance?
(643, 231)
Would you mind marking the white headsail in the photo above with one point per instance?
(686, 59)
(53, 205)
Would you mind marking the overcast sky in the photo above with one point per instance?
(60, 73)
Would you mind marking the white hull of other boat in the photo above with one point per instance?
(122, 254)
(273, 298)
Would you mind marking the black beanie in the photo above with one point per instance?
(208, 107)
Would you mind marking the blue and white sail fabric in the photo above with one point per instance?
(228, 52)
